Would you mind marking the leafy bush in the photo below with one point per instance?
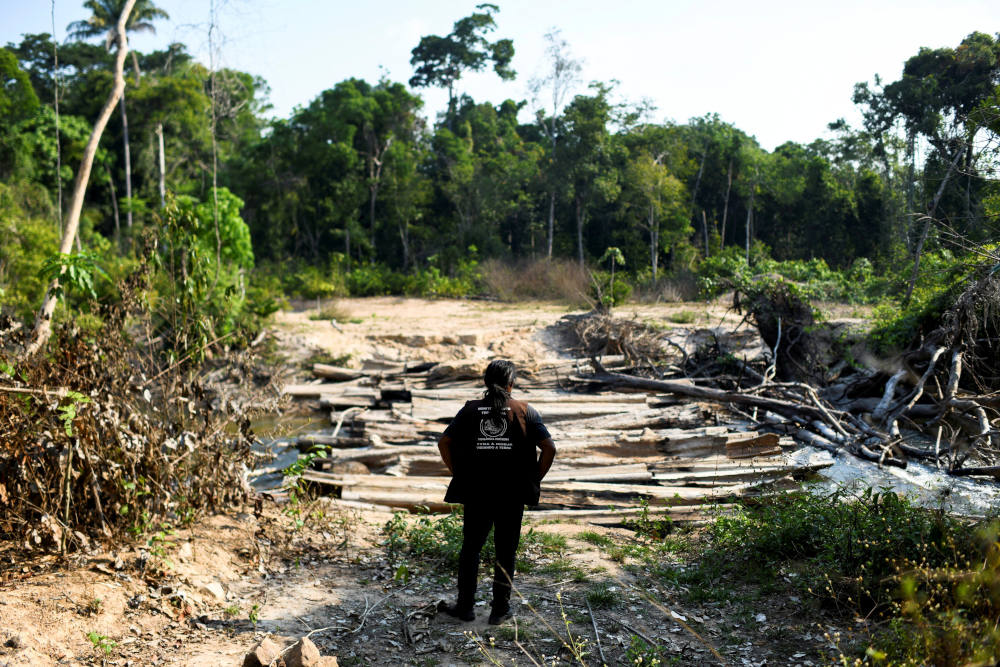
(200, 286)
(728, 269)
(27, 239)
(934, 578)
(603, 291)
(306, 281)
(942, 277)
(379, 280)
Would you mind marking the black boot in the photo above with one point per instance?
(461, 612)
(499, 614)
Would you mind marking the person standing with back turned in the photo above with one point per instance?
(489, 448)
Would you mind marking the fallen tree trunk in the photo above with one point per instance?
(782, 407)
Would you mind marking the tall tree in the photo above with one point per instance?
(588, 154)
(43, 323)
(562, 75)
(441, 61)
(103, 22)
(936, 99)
(660, 202)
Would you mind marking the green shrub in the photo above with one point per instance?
(312, 282)
(933, 579)
(27, 240)
(941, 279)
(199, 293)
(610, 295)
(728, 269)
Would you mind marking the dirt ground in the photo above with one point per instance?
(204, 595)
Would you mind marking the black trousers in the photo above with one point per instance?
(505, 519)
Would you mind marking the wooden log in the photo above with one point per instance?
(810, 438)
(327, 440)
(434, 410)
(336, 373)
(402, 500)
(533, 397)
(717, 462)
(641, 419)
(604, 517)
(311, 390)
(869, 403)
(780, 406)
(727, 475)
(672, 495)
(986, 471)
(372, 459)
(765, 444)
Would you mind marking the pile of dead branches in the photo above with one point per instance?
(101, 438)
(948, 388)
(941, 405)
(599, 334)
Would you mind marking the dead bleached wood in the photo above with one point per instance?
(307, 390)
(371, 458)
(783, 407)
(888, 395)
(338, 441)
(428, 491)
(459, 396)
(717, 462)
(818, 441)
(677, 495)
(718, 439)
(336, 373)
(728, 475)
(682, 514)
(435, 410)
(635, 472)
(673, 416)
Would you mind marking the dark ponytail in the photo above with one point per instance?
(498, 376)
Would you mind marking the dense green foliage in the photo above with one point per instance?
(356, 193)
(927, 579)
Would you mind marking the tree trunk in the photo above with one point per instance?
(725, 207)
(55, 89)
(373, 194)
(114, 208)
(163, 168)
(749, 220)
(404, 237)
(128, 161)
(968, 183)
(347, 245)
(928, 219)
(911, 154)
(43, 322)
(749, 216)
(654, 241)
(704, 227)
(579, 229)
(697, 180)
(552, 218)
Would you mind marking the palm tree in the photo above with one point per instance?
(101, 23)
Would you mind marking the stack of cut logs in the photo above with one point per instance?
(617, 451)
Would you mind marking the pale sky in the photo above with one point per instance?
(779, 70)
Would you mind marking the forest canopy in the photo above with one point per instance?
(357, 185)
